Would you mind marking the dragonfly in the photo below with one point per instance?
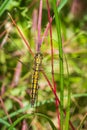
(18, 51)
(14, 52)
(37, 64)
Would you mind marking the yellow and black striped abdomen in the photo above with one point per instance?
(35, 76)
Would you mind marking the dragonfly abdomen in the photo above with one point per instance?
(35, 76)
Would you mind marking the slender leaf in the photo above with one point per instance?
(30, 115)
(18, 112)
(4, 122)
(4, 6)
(69, 99)
(62, 4)
(58, 27)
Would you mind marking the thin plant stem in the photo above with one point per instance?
(21, 34)
(3, 33)
(57, 99)
(52, 63)
(81, 123)
(57, 20)
(69, 98)
(52, 60)
(24, 125)
(39, 27)
(5, 110)
(4, 40)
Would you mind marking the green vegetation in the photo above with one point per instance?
(62, 94)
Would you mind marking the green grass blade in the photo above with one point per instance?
(19, 120)
(68, 100)
(58, 27)
(4, 122)
(17, 112)
(30, 115)
(79, 95)
(62, 4)
(82, 122)
(4, 6)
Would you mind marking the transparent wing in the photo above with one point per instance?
(16, 49)
(73, 60)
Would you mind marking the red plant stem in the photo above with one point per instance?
(57, 99)
(4, 40)
(4, 108)
(21, 34)
(58, 113)
(52, 60)
(48, 25)
(53, 90)
(52, 64)
(3, 33)
(2, 89)
(39, 27)
(24, 125)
